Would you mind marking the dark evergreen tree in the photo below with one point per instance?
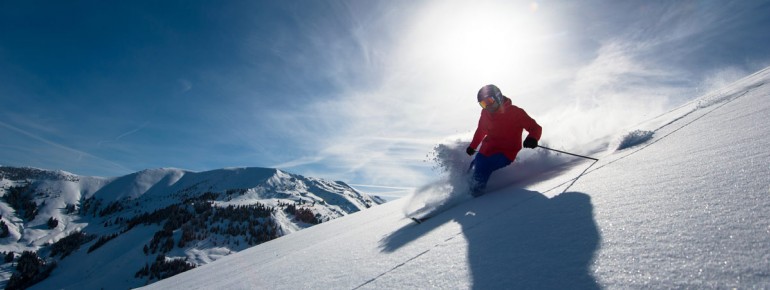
(53, 223)
(102, 240)
(70, 243)
(4, 231)
(30, 269)
(9, 257)
(70, 209)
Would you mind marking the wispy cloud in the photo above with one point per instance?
(116, 139)
(53, 153)
(299, 162)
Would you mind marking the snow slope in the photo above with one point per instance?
(683, 203)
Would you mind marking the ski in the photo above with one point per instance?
(419, 220)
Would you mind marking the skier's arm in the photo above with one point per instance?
(533, 128)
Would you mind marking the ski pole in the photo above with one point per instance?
(573, 154)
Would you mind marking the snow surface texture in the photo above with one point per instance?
(688, 208)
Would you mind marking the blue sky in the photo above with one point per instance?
(359, 91)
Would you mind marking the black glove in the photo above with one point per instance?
(530, 143)
(470, 151)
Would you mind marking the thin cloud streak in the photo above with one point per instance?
(79, 155)
(299, 162)
(100, 143)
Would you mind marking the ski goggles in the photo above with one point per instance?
(486, 102)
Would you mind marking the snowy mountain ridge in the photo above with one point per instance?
(679, 201)
(233, 208)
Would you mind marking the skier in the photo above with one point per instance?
(500, 128)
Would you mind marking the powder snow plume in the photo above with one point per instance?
(453, 163)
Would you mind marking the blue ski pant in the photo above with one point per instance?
(483, 166)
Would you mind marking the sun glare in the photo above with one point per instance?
(480, 42)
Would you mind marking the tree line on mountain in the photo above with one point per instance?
(70, 243)
(101, 241)
(302, 214)
(163, 268)
(24, 174)
(30, 269)
(197, 221)
(20, 199)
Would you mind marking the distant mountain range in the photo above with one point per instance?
(60, 230)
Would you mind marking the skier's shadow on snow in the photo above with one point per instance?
(520, 240)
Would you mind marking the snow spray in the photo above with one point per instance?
(452, 162)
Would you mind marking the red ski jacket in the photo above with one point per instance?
(501, 131)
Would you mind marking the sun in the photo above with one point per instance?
(479, 42)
